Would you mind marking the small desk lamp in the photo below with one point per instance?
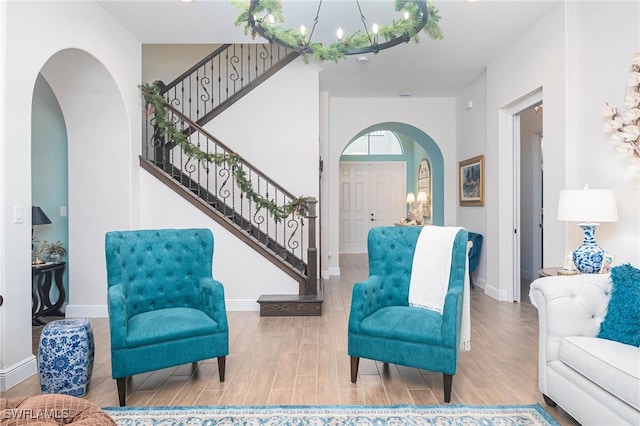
(588, 206)
(38, 218)
(411, 198)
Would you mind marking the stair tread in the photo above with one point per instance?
(286, 298)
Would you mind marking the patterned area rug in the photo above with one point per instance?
(441, 415)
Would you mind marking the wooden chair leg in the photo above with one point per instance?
(355, 361)
(221, 366)
(122, 390)
(448, 380)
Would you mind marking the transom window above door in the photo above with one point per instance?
(380, 142)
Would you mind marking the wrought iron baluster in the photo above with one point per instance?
(241, 66)
(220, 78)
(212, 83)
(215, 177)
(182, 95)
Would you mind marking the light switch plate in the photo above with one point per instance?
(18, 214)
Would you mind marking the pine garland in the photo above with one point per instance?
(156, 104)
(338, 49)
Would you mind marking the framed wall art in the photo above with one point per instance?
(471, 181)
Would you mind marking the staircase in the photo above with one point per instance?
(219, 189)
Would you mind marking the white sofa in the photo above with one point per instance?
(596, 381)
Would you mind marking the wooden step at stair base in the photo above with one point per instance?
(287, 305)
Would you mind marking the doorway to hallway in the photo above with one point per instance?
(528, 208)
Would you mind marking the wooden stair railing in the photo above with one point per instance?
(214, 190)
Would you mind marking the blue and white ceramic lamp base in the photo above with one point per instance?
(589, 256)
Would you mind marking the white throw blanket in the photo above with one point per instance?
(430, 275)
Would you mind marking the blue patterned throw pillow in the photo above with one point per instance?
(622, 322)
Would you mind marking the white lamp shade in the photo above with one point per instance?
(587, 205)
(410, 197)
(422, 196)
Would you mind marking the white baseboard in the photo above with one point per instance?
(495, 293)
(242, 305)
(86, 311)
(17, 373)
(101, 311)
(334, 270)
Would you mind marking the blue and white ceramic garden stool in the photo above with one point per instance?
(66, 356)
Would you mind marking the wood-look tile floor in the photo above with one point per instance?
(303, 360)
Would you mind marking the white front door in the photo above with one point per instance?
(371, 194)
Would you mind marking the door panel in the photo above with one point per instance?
(388, 197)
(372, 194)
(352, 209)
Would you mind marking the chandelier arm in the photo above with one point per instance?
(364, 23)
(315, 22)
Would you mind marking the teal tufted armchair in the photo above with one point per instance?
(165, 309)
(382, 324)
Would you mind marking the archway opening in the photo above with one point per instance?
(370, 190)
(93, 174)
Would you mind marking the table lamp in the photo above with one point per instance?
(589, 207)
(38, 217)
(411, 198)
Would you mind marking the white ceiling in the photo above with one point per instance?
(475, 32)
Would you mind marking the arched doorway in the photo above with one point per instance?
(49, 190)
(99, 167)
(417, 147)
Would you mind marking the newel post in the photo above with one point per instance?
(312, 250)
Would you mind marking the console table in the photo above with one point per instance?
(42, 277)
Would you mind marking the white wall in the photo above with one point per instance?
(578, 55)
(349, 116)
(36, 32)
(276, 127)
(471, 140)
(603, 39)
(165, 62)
(535, 61)
(18, 356)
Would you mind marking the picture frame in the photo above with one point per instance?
(471, 181)
(607, 262)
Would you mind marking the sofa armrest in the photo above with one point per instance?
(364, 300)
(567, 306)
(117, 306)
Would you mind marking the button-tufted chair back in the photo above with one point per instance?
(165, 307)
(160, 268)
(382, 324)
(391, 258)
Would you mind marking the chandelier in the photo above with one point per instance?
(266, 18)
